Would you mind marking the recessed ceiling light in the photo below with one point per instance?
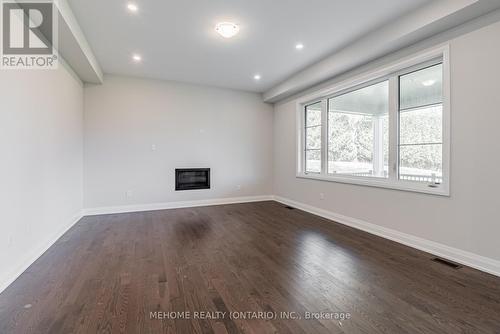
(299, 46)
(227, 29)
(137, 58)
(132, 7)
(428, 83)
(257, 77)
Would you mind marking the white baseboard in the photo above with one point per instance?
(479, 262)
(34, 254)
(174, 205)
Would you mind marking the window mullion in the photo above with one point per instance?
(393, 127)
(324, 137)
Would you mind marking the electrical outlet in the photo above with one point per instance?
(238, 187)
(153, 147)
(129, 193)
(321, 196)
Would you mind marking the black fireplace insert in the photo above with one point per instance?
(192, 178)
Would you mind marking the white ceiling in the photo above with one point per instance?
(177, 40)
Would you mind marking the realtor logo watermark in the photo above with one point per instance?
(29, 34)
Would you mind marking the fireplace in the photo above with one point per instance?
(192, 178)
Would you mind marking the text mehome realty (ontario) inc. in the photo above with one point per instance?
(249, 315)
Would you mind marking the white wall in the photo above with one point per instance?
(41, 140)
(191, 126)
(469, 218)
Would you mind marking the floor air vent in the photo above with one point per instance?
(447, 263)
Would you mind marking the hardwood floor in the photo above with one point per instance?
(109, 274)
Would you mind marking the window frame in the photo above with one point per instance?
(391, 73)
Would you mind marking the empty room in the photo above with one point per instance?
(250, 166)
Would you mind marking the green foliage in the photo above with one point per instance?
(350, 137)
(424, 127)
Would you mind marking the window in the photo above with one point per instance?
(421, 125)
(387, 129)
(358, 140)
(313, 138)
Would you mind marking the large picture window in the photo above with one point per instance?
(389, 129)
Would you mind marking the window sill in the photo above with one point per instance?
(418, 187)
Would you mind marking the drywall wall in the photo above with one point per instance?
(41, 140)
(138, 131)
(468, 219)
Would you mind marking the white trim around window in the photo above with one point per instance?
(390, 73)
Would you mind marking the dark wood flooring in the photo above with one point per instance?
(108, 273)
